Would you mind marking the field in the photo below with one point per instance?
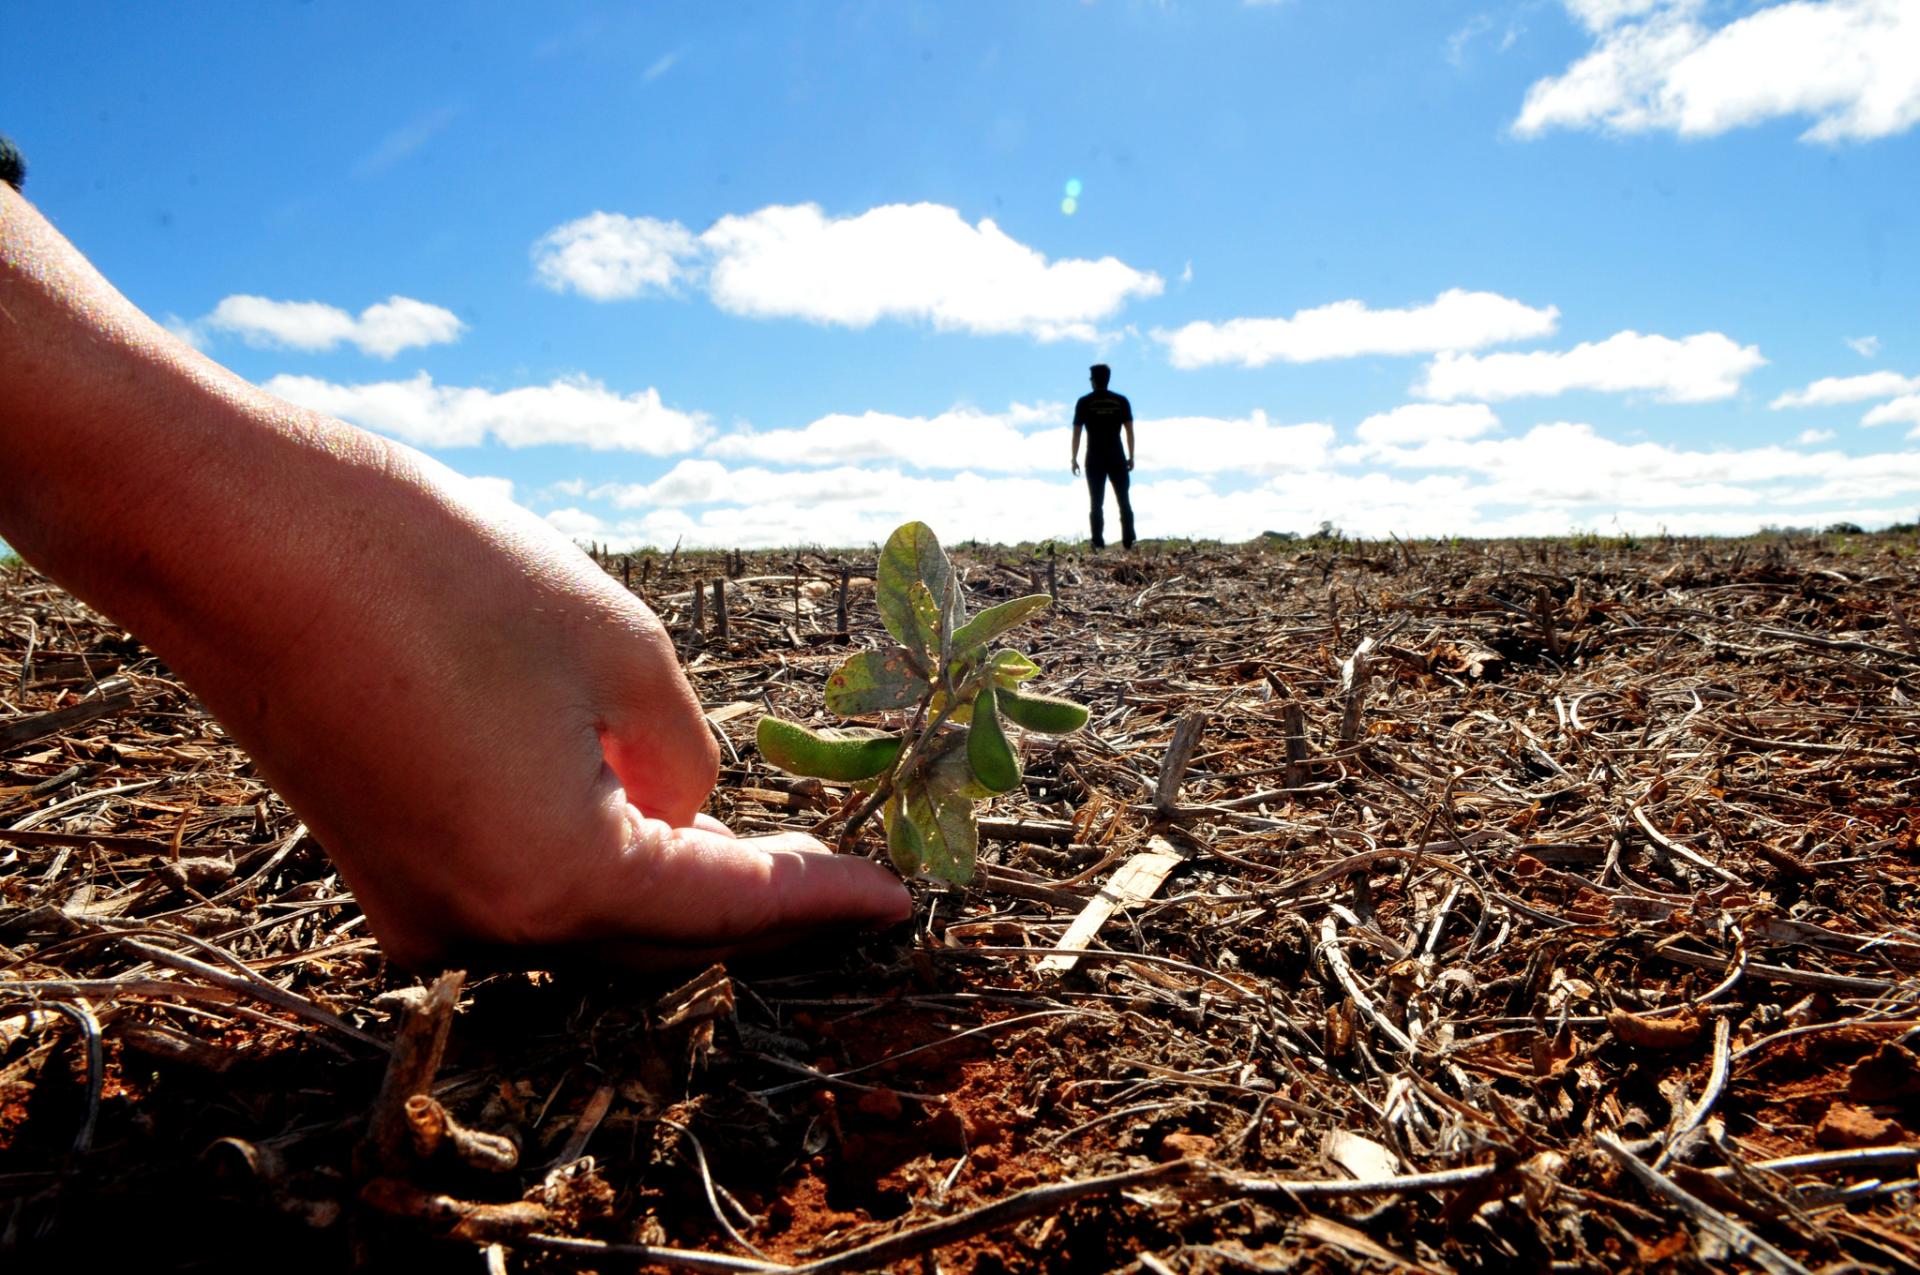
(1477, 906)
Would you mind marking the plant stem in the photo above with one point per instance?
(912, 761)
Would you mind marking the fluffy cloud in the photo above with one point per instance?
(908, 262)
(1416, 423)
(1598, 15)
(608, 257)
(1904, 410)
(1851, 66)
(576, 522)
(1694, 369)
(1454, 320)
(490, 490)
(1829, 390)
(576, 411)
(960, 438)
(1452, 478)
(382, 330)
(1420, 469)
(1028, 439)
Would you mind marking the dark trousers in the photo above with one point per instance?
(1100, 471)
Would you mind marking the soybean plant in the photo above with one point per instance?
(962, 691)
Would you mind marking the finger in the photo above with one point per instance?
(653, 734)
(707, 823)
(696, 888)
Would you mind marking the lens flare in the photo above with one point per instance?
(1073, 188)
(1069, 205)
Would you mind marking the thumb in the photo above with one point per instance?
(695, 888)
(653, 734)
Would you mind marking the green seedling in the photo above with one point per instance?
(962, 693)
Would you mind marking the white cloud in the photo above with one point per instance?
(660, 66)
(490, 489)
(1904, 410)
(960, 438)
(402, 143)
(576, 522)
(1829, 390)
(1865, 346)
(1415, 423)
(1453, 477)
(1693, 369)
(1475, 27)
(608, 257)
(382, 330)
(576, 411)
(1571, 466)
(908, 262)
(1808, 437)
(1478, 25)
(1028, 439)
(1454, 320)
(1598, 15)
(1851, 66)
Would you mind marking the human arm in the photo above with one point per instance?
(492, 740)
(1129, 444)
(1076, 446)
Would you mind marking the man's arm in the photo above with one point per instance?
(492, 740)
(1076, 444)
(1129, 444)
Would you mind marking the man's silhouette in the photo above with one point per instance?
(1103, 414)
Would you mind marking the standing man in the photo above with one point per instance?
(1103, 414)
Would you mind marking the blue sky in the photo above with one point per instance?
(778, 273)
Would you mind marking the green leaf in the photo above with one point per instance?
(962, 713)
(994, 621)
(842, 756)
(1010, 668)
(959, 842)
(905, 846)
(913, 555)
(949, 837)
(926, 623)
(950, 774)
(994, 762)
(872, 680)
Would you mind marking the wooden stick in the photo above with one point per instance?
(1134, 883)
(1194, 1177)
(1353, 690)
(1173, 767)
(1703, 1215)
(1329, 951)
(118, 697)
(1691, 856)
(416, 1057)
(1294, 722)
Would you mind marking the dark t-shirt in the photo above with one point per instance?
(1103, 413)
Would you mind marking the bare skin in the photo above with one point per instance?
(493, 741)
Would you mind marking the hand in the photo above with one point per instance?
(490, 737)
(495, 743)
(1076, 466)
(1129, 464)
